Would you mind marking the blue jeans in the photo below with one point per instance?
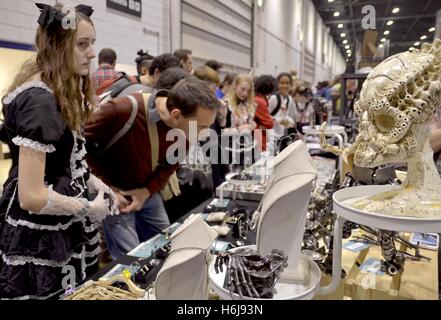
(125, 232)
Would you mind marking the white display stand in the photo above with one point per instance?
(184, 274)
(281, 225)
(285, 204)
(345, 211)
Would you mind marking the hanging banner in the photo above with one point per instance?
(132, 7)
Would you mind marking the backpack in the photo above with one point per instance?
(279, 104)
(110, 89)
(171, 189)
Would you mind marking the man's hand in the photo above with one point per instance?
(139, 196)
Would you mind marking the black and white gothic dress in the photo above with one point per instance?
(35, 249)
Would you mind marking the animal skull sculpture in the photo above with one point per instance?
(399, 97)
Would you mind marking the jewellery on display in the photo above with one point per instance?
(393, 259)
(242, 224)
(249, 274)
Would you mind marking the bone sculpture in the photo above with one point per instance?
(398, 99)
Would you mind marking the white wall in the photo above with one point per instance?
(123, 33)
(290, 34)
(220, 30)
(278, 36)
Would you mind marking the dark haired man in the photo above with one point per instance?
(159, 65)
(106, 70)
(128, 167)
(146, 83)
(185, 59)
(215, 65)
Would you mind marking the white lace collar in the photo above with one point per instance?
(25, 86)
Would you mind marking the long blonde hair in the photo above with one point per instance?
(55, 61)
(231, 96)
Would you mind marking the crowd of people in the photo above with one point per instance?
(59, 196)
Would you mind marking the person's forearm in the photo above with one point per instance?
(33, 201)
(435, 140)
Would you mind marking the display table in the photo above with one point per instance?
(418, 281)
(129, 260)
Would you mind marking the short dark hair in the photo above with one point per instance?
(182, 54)
(143, 64)
(107, 55)
(228, 79)
(163, 62)
(285, 74)
(215, 65)
(265, 85)
(144, 60)
(170, 77)
(190, 94)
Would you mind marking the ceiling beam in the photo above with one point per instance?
(358, 3)
(351, 12)
(419, 16)
(412, 25)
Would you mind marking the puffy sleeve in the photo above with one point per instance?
(39, 124)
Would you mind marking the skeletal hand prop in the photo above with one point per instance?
(250, 274)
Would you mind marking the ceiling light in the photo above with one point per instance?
(348, 51)
(396, 10)
(423, 37)
(349, 54)
(416, 44)
(343, 35)
(345, 41)
(340, 25)
(381, 46)
(336, 14)
(411, 48)
(383, 40)
(386, 32)
(432, 29)
(389, 23)
(347, 47)
(330, 1)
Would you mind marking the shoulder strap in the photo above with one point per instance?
(120, 85)
(279, 105)
(127, 125)
(172, 187)
(153, 132)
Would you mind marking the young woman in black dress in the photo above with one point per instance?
(51, 204)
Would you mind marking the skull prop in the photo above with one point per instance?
(399, 97)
